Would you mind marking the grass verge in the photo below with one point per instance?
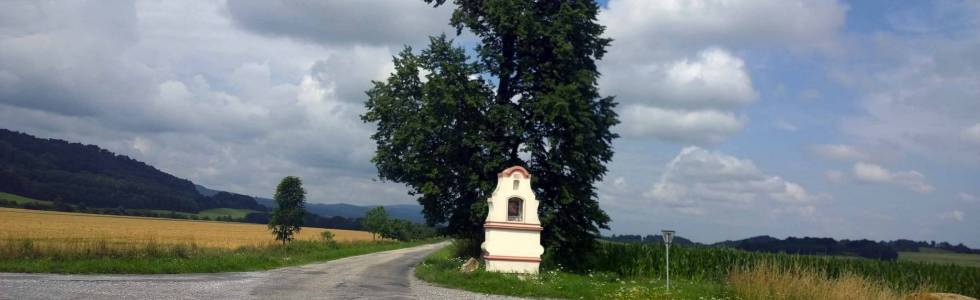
(101, 257)
(442, 268)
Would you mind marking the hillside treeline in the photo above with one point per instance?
(884, 250)
(90, 176)
(815, 246)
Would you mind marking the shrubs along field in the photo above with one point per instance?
(634, 271)
(58, 242)
(55, 228)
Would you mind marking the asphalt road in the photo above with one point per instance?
(382, 275)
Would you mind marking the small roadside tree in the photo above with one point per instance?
(375, 221)
(287, 218)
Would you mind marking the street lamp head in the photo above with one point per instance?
(668, 236)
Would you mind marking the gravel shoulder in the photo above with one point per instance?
(382, 275)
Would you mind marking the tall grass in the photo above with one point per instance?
(106, 256)
(634, 260)
(766, 281)
(24, 248)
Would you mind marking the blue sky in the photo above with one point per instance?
(740, 118)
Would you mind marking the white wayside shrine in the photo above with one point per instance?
(512, 242)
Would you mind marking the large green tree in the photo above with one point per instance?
(446, 124)
(287, 218)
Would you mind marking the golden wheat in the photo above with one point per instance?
(50, 229)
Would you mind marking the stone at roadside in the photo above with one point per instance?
(471, 265)
(939, 296)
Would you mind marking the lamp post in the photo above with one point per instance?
(668, 238)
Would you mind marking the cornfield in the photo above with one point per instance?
(717, 263)
(59, 230)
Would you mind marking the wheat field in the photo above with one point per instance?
(60, 228)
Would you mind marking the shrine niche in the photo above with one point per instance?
(512, 242)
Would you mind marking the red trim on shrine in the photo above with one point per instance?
(513, 226)
(512, 258)
(511, 170)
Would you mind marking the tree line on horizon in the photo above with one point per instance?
(882, 250)
(287, 218)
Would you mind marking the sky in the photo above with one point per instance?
(739, 118)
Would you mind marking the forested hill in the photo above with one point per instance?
(87, 175)
(408, 212)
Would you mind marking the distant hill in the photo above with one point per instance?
(650, 239)
(86, 175)
(811, 245)
(409, 212)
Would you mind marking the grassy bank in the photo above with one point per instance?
(442, 268)
(623, 271)
(29, 256)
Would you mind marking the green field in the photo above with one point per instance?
(937, 256)
(22, 200)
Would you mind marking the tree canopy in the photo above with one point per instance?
(446, 123)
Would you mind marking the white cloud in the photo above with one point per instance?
(372, 22)
(698, 181)
(966, 197)
(620, 183)
(835, 176)
(785, 125)
(872, 173)
(672, 64)
(954, 215)
(971, 134)
(689, 101)
(715, 79)
(222, 106)
(701, 126)
(839, 152)
(754, 23)
(919, 91)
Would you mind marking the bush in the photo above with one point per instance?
(327, 236)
